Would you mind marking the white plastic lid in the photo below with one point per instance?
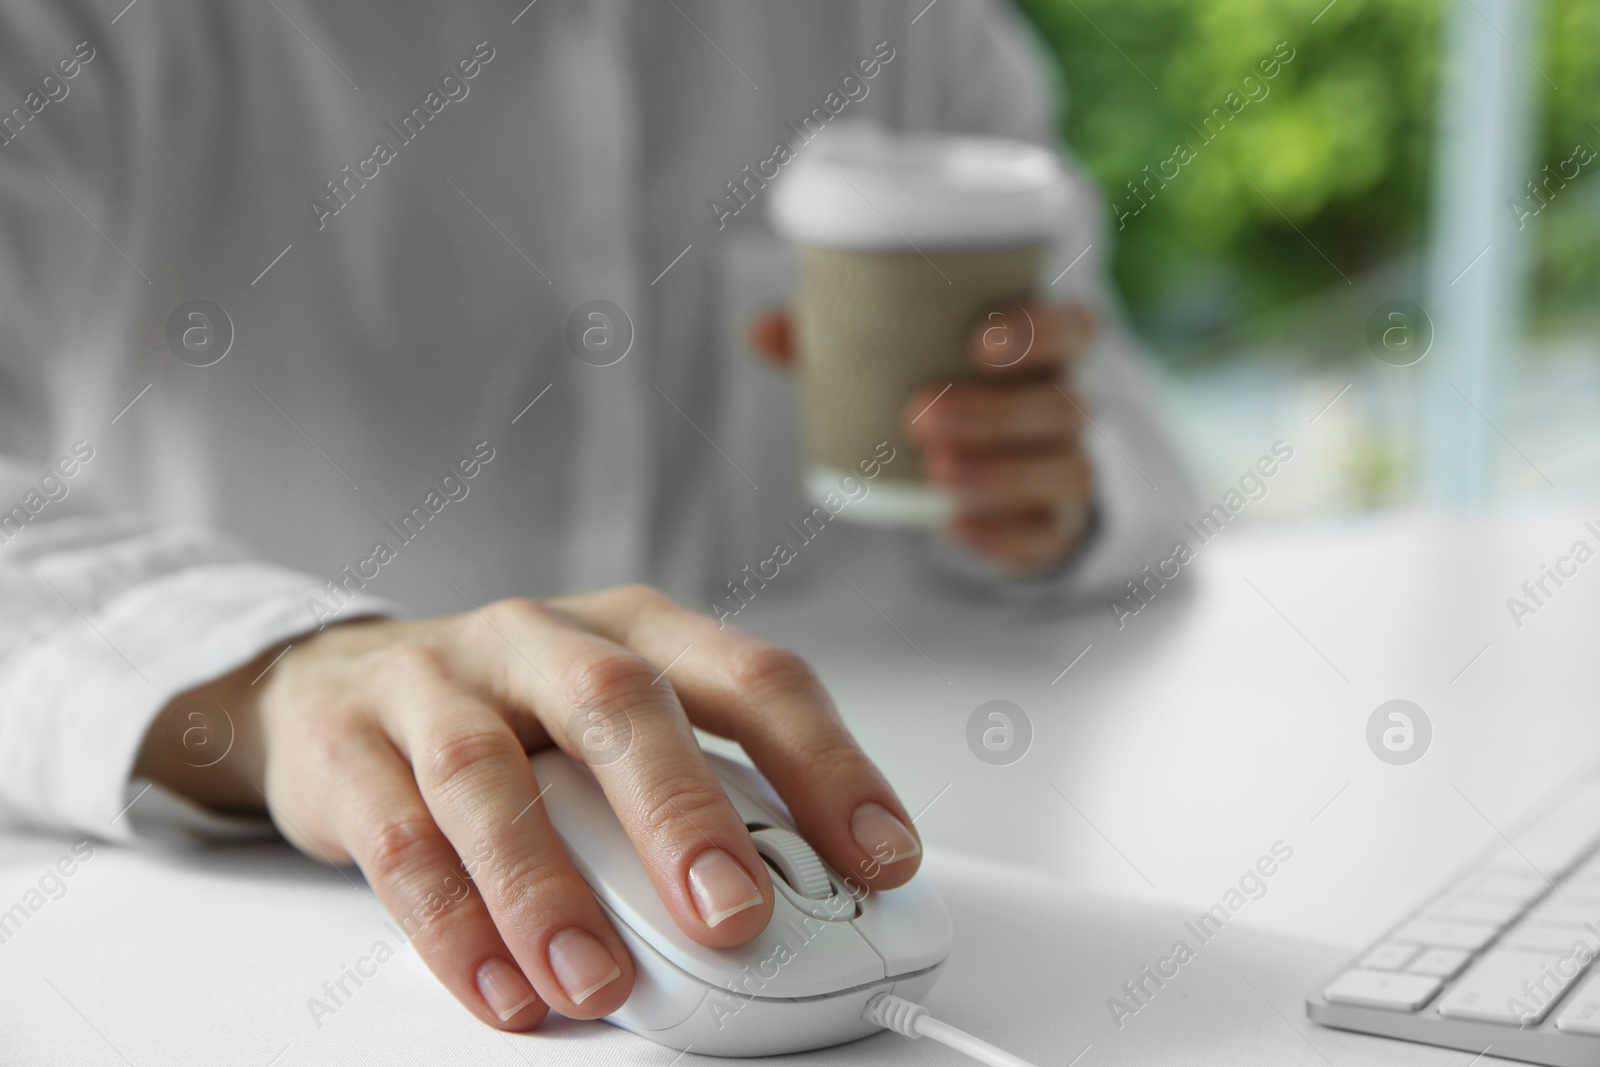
(859, 186)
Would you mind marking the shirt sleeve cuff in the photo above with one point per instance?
(76, 704)
(153, 813)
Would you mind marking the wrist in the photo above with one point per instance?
(206, 743)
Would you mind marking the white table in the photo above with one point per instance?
(1172, 755)
(1232, 710)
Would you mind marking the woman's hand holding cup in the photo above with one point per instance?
(1008, 442)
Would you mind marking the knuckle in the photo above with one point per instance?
(643, 595)
(462, 755)
(761, 666)
(328, 741)
(599, 734)
(679, 802)
(398, 847)
(413, 662)
(610, 677)
(830, 755)
(606, 718)
(531, 884)
(511, 611)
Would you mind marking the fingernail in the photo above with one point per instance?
(581, 963)
(504, 988)
(880, 834)
(721, 888)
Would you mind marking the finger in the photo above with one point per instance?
(993, 414)
(1013, 478)
(385, 826)
(694, 845)
(769, 701)
(1023, 539)
(771, 336)
(1030, 339)
(476, 780)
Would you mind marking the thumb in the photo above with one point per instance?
(771, 336)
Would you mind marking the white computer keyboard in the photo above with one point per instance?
(1500, 959)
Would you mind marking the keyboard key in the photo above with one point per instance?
(1577, 896)
(1440, 962)
(1382, 989)
(1497, 911)
(1563, 913)
(1587, 874)
(1581, 1014)
(1521, 887)
(1445, 934)
(1389, 956)
(1530, 936)
(1511, 861)
(1513, 943)
(1492, 990)
(1557, 841)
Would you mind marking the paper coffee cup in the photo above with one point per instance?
(904, 241)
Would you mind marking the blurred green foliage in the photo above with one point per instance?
(1338, 147)
(1566, 261)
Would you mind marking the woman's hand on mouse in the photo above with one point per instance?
(1009, 441)
(402, 746)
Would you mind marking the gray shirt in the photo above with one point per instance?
(391, 211)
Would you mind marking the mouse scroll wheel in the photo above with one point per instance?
(799, 864)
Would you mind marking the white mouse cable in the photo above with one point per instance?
(913, 1021)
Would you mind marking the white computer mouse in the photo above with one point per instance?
(802, 984)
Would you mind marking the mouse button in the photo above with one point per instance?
(796, 956)
(599, 847)
(838, 908)
(795, 860)
(814, 957)
(752, 795)
(751, 811)
(908, 927)
(664, 994)
(578, 809)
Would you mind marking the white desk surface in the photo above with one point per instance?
(1224, 718)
